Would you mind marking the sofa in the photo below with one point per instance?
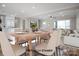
(71, 40)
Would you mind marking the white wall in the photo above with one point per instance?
(27, 24)
(20, 23)
(77, 22)
(73, 23)
(49, 24)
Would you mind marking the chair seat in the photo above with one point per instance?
(18, 50)
(42, 49)
(50, 47)
(41, 46)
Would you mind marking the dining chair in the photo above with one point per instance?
(44, 36)
(8, 49)
(75, 31)
(20, 31)
(59, 44)
(49, 48)
(59, 36)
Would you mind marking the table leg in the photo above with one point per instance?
(16, 40)
(39, 40)
(30, 48)
(36, 40)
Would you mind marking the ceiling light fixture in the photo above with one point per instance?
(22, 11)
(33, 7)
(51, 16)
(3, 5)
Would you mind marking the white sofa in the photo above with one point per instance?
(70, 40)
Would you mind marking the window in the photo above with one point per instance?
(62, 24)
(55, 24)
(9, 23)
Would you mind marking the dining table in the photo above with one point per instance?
(19, 36)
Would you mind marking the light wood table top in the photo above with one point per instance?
(27, 37)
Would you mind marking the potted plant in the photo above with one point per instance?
(34, 26)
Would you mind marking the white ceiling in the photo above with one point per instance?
(37, 9)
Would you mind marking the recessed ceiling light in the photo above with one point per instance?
(3, 5)
(22, 11)
(33, 7)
